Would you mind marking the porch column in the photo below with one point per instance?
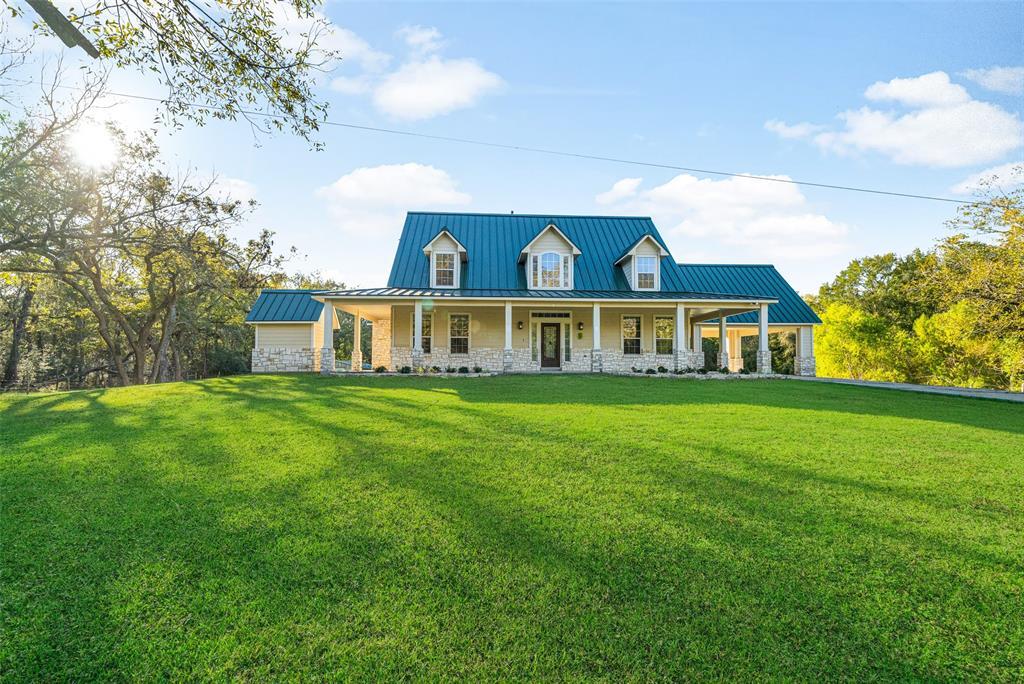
(764, 357)
(417, 334)
(327, 345)
(357, 340)
(507, 365)
(804, 363)
(698, 348)
(735, 351)
(723, 341)
(596, 362)
(679, 343)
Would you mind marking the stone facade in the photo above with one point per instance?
(614, 361)
(285, 360)
(804, 365)
(492, 360)
(764, 362)
(326, 360)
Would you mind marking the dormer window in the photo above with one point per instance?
(646, 272)
(444, 269)
(550, 271)
(548, 260)
(445, 254)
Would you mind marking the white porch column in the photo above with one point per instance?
(596, 361)
(507, 361)
(764, 357)
(804, 363)
(679, 343)
(698, 348)
(417, 334)
(723, 341)
(327, 345)
(357, 343)
(735, 351)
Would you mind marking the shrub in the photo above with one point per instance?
(463, 369)
(435, 369)
(380, 369)
(702, 371)
(744, 371)
(662, 369)
(724, 369)
(478, 369)
(420, 370)
(650, 371)
(635, 369)
(405, 369)
(449, 369)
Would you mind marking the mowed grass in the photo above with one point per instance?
(610, 528)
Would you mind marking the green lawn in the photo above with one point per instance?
(510, 527)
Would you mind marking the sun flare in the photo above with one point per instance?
(93, 145)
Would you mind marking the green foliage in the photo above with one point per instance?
(950, 316)
(520, 528)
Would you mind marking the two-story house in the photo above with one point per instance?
(522, 293)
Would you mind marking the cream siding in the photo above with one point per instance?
(550, 241)
(444, 244)
(290, 335)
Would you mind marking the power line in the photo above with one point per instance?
(536, 150)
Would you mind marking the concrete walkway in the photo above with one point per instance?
(1001, 395)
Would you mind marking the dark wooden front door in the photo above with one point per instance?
(550, 349)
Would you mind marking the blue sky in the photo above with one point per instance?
(910, 97)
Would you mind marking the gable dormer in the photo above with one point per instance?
(549, 259)
(446, 255)
(641, 263)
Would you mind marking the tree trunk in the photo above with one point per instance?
(11, 368)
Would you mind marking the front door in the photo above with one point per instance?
(550, 349)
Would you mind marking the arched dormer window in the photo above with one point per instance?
(550, 271)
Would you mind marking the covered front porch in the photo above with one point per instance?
(544, 334)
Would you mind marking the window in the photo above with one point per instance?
(428, 329)
(458, 333)
(630, 334)
(646, 267)
(664, 331)
(444, 269)
(550, 271)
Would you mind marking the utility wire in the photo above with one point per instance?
(536, 150)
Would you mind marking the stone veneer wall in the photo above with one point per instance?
(612, 361)
(488, 359)
(804, 365)
(380, 344)
(285, 360)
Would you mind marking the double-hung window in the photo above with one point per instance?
(646, 272)
(631, 335)
(444, 269)
(427, 328)
(664, 331)
(458, 333)
(549, 271)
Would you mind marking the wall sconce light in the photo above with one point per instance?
(519, 325)
(579, 326)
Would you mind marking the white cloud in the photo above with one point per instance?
(1004, 176)
(351, 85)
(368, 205)
(792, 131)
(945, 127)
(350, 47)
(424, 88)
(226, 188)
(1009, 80)
(421, 39)
(930, 90)
(749, 218)
(620, 190)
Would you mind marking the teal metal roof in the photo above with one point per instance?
(285, 306)
(751, 279)
(463, 293)
(493, 243)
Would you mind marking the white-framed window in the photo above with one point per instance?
(458, 333)
(646, 272)
(428, 330)
(550, 271)
(445, 274)
(631, 335)
(664, 334)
